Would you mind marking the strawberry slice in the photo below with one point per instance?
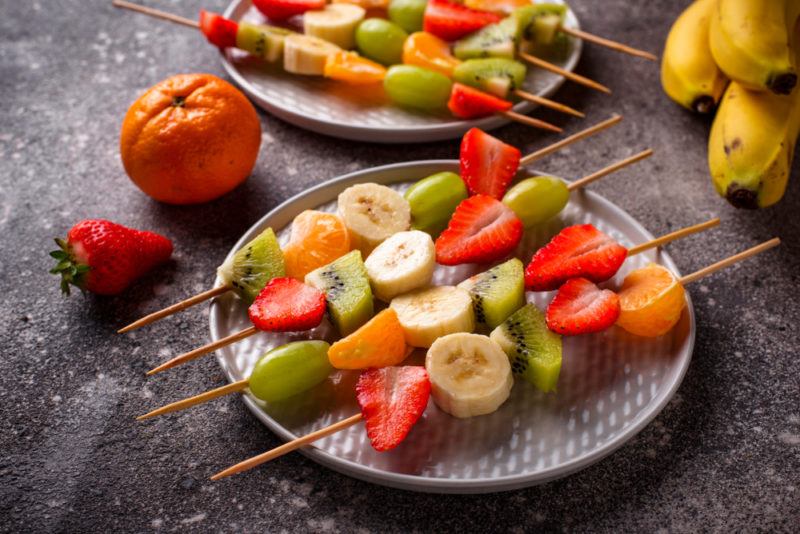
(451, 21)
(286, 305)
(218, 30)
(481, 230)
(469, 103)
(487, 164)
(283, 9)
(392, 399)
(580, 250)
(580, 307)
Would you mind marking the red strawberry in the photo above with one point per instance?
(469, 103)
(481, 230)
(580, 307)
(451, 21)
(580, 250)
(105, 258)
(218, 30)
(487, 164)
(392, 399)
(283, 9)
(286, 305)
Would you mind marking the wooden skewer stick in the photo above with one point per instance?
(608, 43)
(673, 236)
(546, 102)
(577, 184)
(530, 121)
(156, 13)
(205, 349)
(542, 152)
(197, 399)
(577, 78)
(288, 447)
(175, 308)
(705, 271)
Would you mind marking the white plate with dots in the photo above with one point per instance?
(363, 113)
(611, 385)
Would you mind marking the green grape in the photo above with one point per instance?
(537, 199)
(416, 87)
(290, 369)
(381, 41)
(433, 201)
(408, 14)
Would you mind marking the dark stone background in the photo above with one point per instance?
(723, 455)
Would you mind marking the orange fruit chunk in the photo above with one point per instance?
(379, 343)
(425, 50)
(189, 139)
(351, 68)
(317, 239)
(651, 301)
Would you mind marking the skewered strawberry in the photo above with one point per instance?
(451, 21)
(481, 230)
(286, 305)
(580, 307)
(580, 250)
(218, 30)
(283, 9)
(469, 103)
(105, 258)
(487, 164)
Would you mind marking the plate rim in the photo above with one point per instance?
(446, 485)
(416, 134)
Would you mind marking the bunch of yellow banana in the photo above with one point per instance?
(756, 45)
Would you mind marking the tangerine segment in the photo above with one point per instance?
(651, 301)
(351, 68)
(318, 238)
(425, 50)
(379, 343)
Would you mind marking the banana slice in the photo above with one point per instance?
(304, 54)
(372, 213)
(470, 374)
(336, 23)
(427, 314)
(403, 262)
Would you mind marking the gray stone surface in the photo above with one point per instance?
(724, 454)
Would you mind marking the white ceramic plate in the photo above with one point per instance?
(362, 113)
(611, 385)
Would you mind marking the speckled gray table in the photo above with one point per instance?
(724, 454)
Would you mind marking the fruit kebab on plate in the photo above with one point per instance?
(319, 238)
(453, 370)
(408, 86)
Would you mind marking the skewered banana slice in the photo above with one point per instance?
(403, 262)
(336, 23)
(304, 54)
(372, 213)
(427, 314)
(470, 374)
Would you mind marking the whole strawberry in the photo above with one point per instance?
(105, 258)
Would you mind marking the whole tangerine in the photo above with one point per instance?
(189, 139)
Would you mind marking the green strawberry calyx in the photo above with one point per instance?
(71, 270)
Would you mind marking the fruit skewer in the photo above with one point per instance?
(250, 331)
(269, 245)
(227, 37)
(649, 303)
(350, 421)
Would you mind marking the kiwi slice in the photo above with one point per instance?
(265, 42)
(498, 76)
(496, 293)
(540, 22)
(495, 40)
(346, 286)
(534, 351)
(253, 265)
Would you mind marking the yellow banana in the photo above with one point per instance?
(750, 41)
(689, 75)
(751, 145)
